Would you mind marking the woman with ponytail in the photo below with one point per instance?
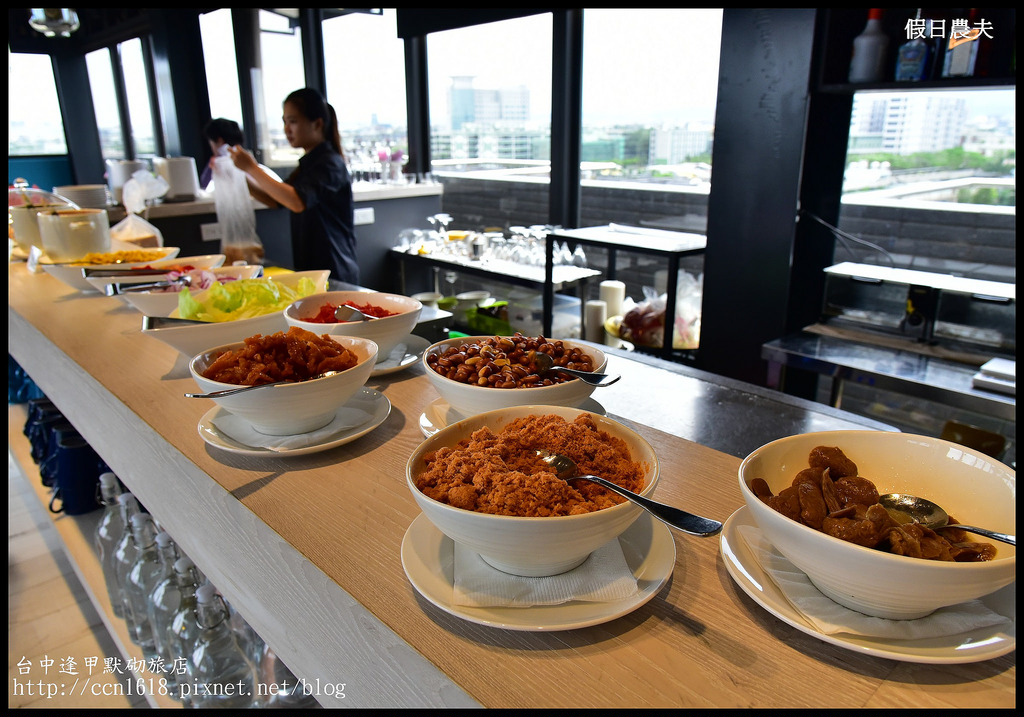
(318, 192)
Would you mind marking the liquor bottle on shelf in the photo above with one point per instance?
(109, 531)
(870, 49)
(142, 578)
(124, 557)
(219, 663)
(913, 59)
(968, 47)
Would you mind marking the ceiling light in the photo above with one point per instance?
(53, 21)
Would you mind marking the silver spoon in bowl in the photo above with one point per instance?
(931, 515)
(240, 389)
(346, 313)
(545, 363)
(565, 469)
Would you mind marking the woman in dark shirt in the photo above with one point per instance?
(318, 192)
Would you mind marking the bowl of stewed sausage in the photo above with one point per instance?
(483, 373)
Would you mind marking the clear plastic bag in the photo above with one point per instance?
(136, 193)
(644, 322)
(235, 214)
(136, 230)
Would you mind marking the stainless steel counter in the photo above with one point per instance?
(730, 416)
(945, 382)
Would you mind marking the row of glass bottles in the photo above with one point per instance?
(208, 654)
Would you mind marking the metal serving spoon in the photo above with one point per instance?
(346, 313)
(240, 389)
(545, 363)
(930, 515)
(565, 468)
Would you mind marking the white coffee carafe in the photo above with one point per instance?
(180, 174)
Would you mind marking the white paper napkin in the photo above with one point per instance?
(830, 618)
(604, 576)
(242, 431)
(394, 357)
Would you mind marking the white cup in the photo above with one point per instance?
(70, 234)
(26, 226)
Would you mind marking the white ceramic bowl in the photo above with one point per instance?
(292, 408)
(164, 303)
(972, 487)
(71, 274)
(191, 339)
(468, 399)
(205, 261)
(26, 224)
(386, 332)
(533, 547)
(428, 298)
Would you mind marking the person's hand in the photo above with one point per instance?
(242, 158)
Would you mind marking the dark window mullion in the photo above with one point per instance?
(154, 96)
(122, 102)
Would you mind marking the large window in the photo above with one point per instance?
(930, 182)
(282, 73)
(140, 108)
(650, 85)
(221, 66)
(33, 127)
(104, 101)
(371, 105)
(490, 99)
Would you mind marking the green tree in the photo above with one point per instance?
(638, 145)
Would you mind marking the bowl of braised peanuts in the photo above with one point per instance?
(484, 373)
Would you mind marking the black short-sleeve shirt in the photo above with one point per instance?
(323, 236)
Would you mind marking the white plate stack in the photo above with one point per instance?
(93, 196)
(999, 375)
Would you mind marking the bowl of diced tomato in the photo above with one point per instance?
(395, 316)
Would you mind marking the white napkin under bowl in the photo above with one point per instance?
(602, 577)
(830, 618)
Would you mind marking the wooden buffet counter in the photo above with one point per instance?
(308, 549)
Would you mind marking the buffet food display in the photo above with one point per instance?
(480, 485)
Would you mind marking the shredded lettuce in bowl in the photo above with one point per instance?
(242, 299)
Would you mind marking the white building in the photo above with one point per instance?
(906, 123)
(674, 145)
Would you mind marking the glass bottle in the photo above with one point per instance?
(219, 663)
(183, 629)
(109, 531)
(966, 46)
(913, 59)
(869, 50)
(290, 692)
(142, 578)
(163, 601)
(248, 639)
(124, 557)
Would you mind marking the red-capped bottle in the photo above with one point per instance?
(870, 49)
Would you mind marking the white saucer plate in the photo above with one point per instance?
(439, 414)
(428, 557)
(401, 358)
(973, 646)
(373, 403)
